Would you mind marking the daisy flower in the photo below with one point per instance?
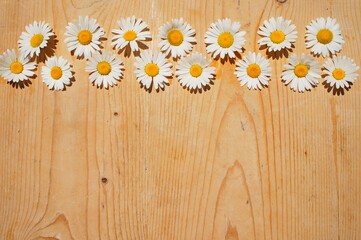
(277, 34)
(83, 37)
(301, 73)
(324, 37)
(254, 70)
(340, 71)
(152, 68)
(16, 68)
(194, 72)
(177, 38)
(105, 69)
(224, 39)
(56, 73)
(131, 31)
(35, 38)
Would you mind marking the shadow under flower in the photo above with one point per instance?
(336, 91)
(21, 84)
(284, 52)
(204, 88)
(228, 59)
(159, 89)
(119, 80)
(48, 51)
(128, 51)
(81, 57)
(25, 83)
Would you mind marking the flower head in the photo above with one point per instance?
(152, 69)
(130, 33)
(83, 37)
(35, 38)
(195, 72)
(277, 34)
(301, 73)
(324, 37)
(253, 71)
(56, 73)
(224, 39)
(15, 67)
(177, 38)
(105, 69)
(340, 72)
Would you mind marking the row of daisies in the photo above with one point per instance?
(224, 40)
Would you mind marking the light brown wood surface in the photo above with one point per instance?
(229, 163)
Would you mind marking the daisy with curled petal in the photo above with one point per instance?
(56, 73)
(224, 38)
(324, 37)
(35, 38)
(105, 69)
(152, 68)
(16, 68)
(131, 31)
(277, 34)
(254, 70)
(195, 72)
(340, 71)
(177, 38)
(83, 37)
(301, 73)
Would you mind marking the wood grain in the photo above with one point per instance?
(228, 163)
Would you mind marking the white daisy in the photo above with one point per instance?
(35, 38)
(83, 37)
(277, 34)
(254, 70)
(105, 69)
(224, 38)
(131, 31)
(56, 73)
(177, 38)
(324, 37)
(194, 72)
(301, 73)
(340, 71)
(15, 68)
(152, 69)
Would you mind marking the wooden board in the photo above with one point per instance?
(228, 163)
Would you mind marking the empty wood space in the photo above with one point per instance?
(228, 163)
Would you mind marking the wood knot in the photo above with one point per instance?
(104, 180)
(116, 114)
(281, 1)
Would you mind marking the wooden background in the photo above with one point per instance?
(228, 163)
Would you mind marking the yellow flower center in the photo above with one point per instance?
(301, 70)
(56, 73)
(16, 67)
(175, 37)
(85, 37)
(338, 74)
(104, 68)
(151, 69)
(36, 40)
(253, 70)
(277, 36)
(195, 70)
(130, 35)
(324, 36)
(225, 39)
